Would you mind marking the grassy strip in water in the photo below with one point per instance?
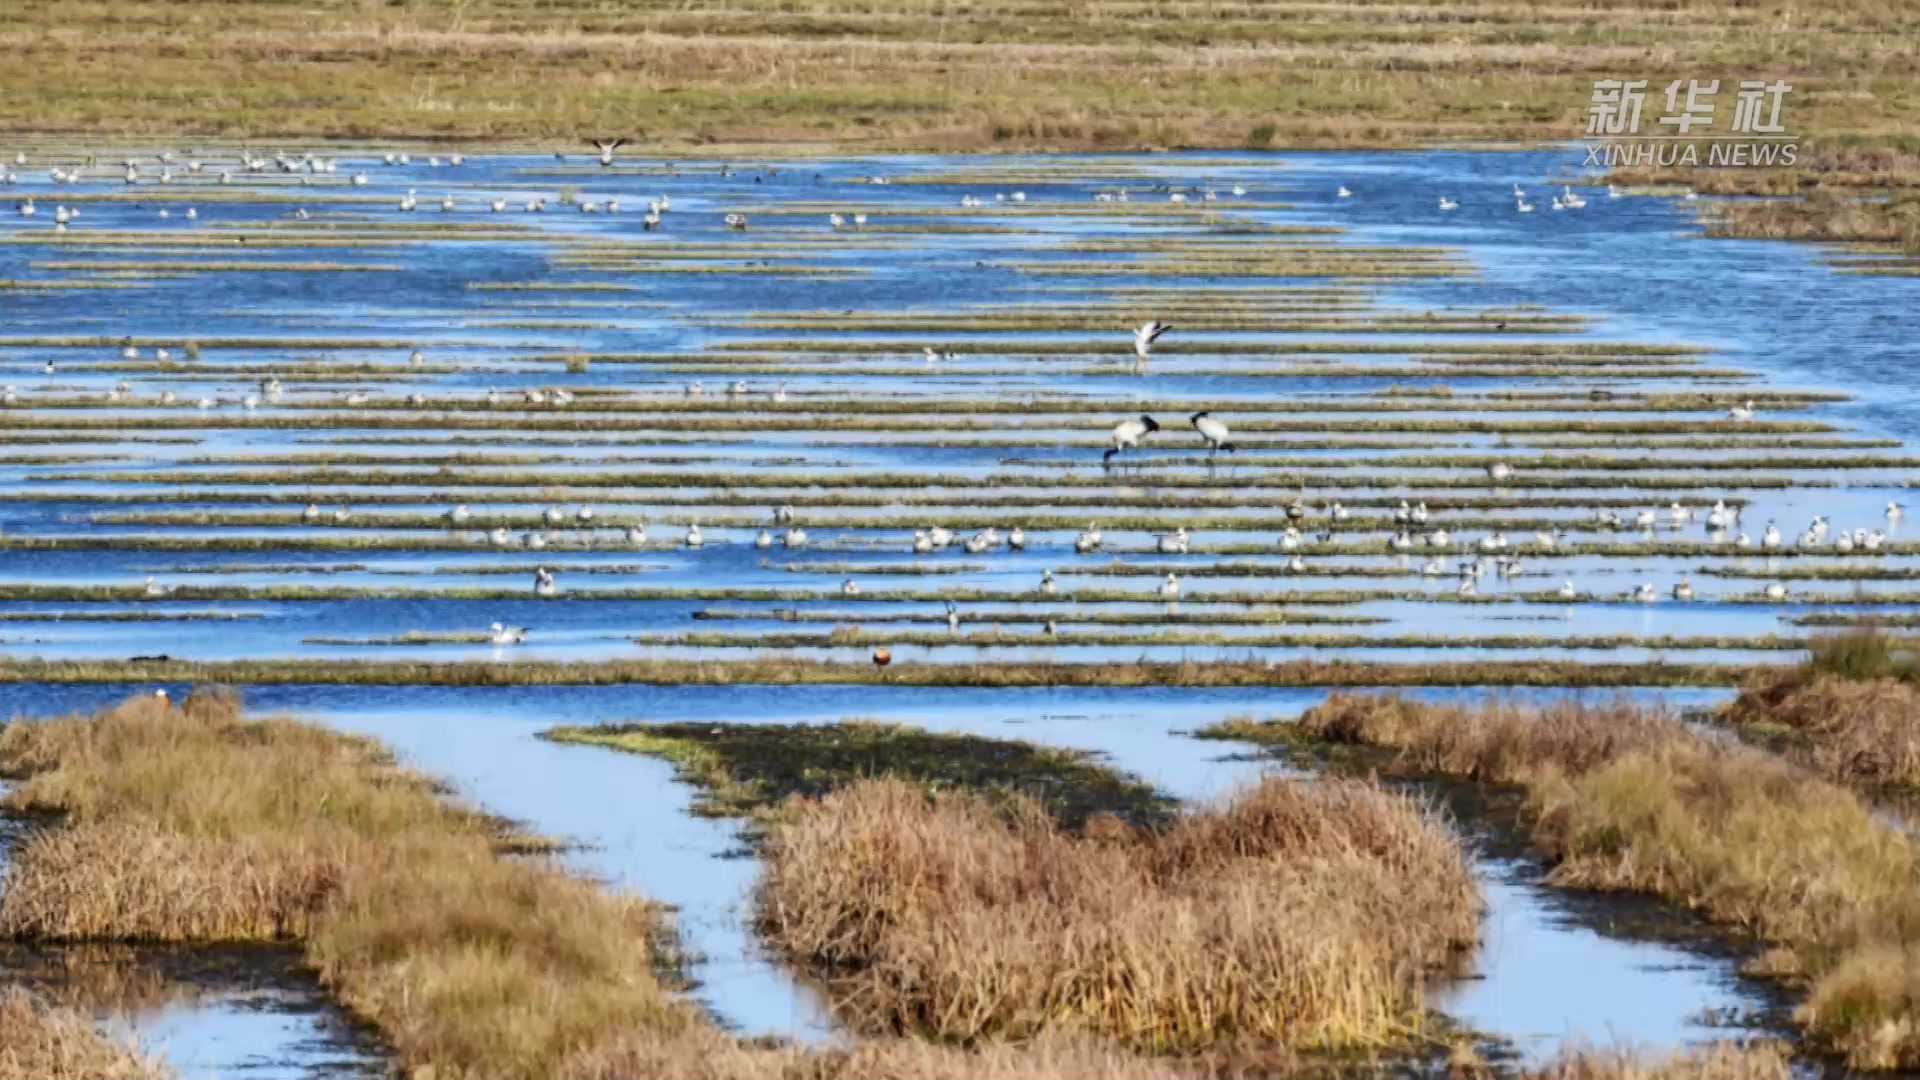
(787, 672)
(129, 616)
(1631, 800)
(1279, 914)
(1036, 615)
(1852, 710)
(750, 770)
(851, 636)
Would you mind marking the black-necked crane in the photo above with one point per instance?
(1145, 335)
(1127, 434)
(1214, 431)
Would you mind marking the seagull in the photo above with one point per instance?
(1741, 413)
(1499, 471)
(311, 513)
(1017, 539)
(1523, 206)
(459, 514)
(607, 147)
(1684, 590)
(1776, 591)
(694, 539)
(543, 583)
(1087, 541)
(1344, 193)
(1448, 204)
(1567, 591)
(1128, 433)
(796, 537)
(1146, 335)
(921, 545)
(507, 635)
(940, 536)
(1771, 538)
(1645, 593)
(1174, 543)
(1170, 588)
(764, 540)
(1048, 587)
(850, 587)
(1213, 431)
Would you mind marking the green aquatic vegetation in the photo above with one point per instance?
(749, 770)
(129, 616)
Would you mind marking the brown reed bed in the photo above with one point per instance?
(1626, 799)
(1279, 916)
(1761, 1060)
(42, 1041)
(196, 825)
(1851, 711)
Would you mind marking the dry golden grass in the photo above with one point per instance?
(197, 825)
(1280, 916)
(1100, 74)
(1853, 731)
(44, 1042)
(1715, 1061)
(1629, 799)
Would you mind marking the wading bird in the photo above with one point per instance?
(1128, 433)
(1146, 335)
(1213, 431)
(508, 635)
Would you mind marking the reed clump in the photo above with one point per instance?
(1852, 710)
(39, 1041)
(1628, 799)
(1279, 915)
(1764, 1060)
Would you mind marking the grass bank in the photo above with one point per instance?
(1626, 799)
(1851, 711)
(40, 1041)
(1279, 916)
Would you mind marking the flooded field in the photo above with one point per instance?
(879, 416)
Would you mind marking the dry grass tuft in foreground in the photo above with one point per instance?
(1730, 1060)
(197, 825)
(44, 1042)
(1628, 799)
(1280, 916)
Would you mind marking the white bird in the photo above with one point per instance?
(850, 587)
(694, 539)
(1523, 206)
(1213, 431)
(554, 515)
(459, 514)
(1680, 514)
(1174, 543)
(543, 583)
(1742, 412)
(1448, 204)
(1017, 539)
(1127, 435)
(1170, 588)
(953, 618)
(1645, 593)
(507, 635)
(1894, 512)
(1290, 540)
(940, 536)
(795, 537)
(1344, 193)
(1684, 590)
(1146, 335)
(921, 545)
(1776, 591)
(584, 515)
(1567, 591)
(1499, 471)
(1770, 539)
(153, 588)
(1088, 540)
(1613, 192)
(1048, 586)
(607, 147)
(637, 534)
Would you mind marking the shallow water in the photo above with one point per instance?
(870, 445)
(631, 813)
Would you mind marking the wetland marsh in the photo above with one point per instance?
(459, 479)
